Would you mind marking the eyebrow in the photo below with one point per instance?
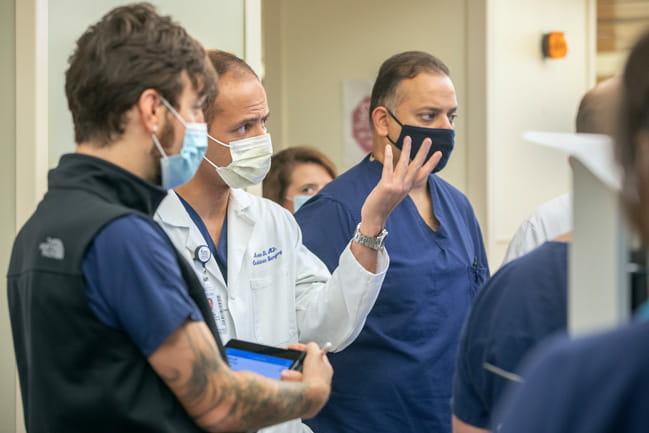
(438, 109)
(253, 119)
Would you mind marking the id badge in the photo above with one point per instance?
(216, 305)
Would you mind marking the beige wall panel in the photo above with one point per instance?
(310, 47)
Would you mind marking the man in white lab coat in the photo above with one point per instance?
(263, 284)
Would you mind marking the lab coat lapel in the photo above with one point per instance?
(240, 228)
(173, 213)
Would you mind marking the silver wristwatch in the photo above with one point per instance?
(374, 242)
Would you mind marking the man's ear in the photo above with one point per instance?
(380, 120)
(150, 109)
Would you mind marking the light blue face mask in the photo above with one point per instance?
(180, 168)
(299, 200)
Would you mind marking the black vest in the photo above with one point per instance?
(77, 374)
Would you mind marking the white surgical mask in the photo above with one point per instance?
(250, 161)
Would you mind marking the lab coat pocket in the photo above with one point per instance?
(274, 312)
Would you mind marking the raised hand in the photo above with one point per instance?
(396, 182)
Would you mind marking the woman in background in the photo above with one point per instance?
(297, 174)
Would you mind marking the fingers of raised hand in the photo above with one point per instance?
(404, 158)
(428, 167)
(387, 163)
(420, 157)
(418, 161)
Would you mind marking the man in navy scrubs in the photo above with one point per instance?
(599, 384)
(396, 376)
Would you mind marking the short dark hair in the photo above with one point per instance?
(224, 63)
(131, 49)
(403, 66)
(281, 168)
(633, 153)
(599, 108)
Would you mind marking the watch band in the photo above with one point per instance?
(373, 242)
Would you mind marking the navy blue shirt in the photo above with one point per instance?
(597, 384)
(396, 376)
(136, 286)
(523, 303)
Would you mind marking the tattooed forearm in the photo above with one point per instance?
(206, 363)
(219, 399)
(253, 401)
(260, 402)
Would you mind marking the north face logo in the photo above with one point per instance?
(52, 248)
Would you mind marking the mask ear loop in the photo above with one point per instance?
(173, 111)
(219, 142)
(159, 146)
(394, 117)
(396, 120)
(157, 143)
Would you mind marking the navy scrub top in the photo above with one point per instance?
(596, 384)
(396, 376)
(136, 286)
(523, 303)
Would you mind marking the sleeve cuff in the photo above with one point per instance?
(382, 261)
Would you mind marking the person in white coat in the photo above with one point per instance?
(264, 285)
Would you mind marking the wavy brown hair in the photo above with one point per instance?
(131, 49)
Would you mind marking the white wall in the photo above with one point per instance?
(215, 23)
(526, 92)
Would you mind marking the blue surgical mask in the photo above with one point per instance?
(299, 200)
(443, 140)
(180, 168)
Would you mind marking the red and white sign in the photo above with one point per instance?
(356, 120)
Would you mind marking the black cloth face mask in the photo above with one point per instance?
(443, 140)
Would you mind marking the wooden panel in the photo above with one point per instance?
(619, 24)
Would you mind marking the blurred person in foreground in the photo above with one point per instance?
(599, 383)
(521, 305)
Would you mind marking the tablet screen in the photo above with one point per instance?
(265, 365)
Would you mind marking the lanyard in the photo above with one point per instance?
(203, 254)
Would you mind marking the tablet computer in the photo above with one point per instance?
(265, 360)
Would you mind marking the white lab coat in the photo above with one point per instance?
(290, 298)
